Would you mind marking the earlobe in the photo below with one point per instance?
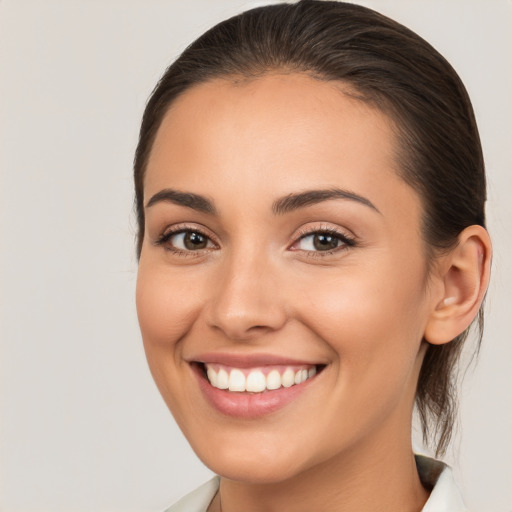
(464, 276)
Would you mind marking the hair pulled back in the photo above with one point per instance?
(389, 67)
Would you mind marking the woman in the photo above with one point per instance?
(310, 193)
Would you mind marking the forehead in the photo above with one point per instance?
(271, 134)
(277, 108)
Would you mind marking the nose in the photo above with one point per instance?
(248, 300)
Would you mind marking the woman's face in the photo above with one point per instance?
(280, 241)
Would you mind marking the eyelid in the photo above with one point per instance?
(348, 240)
(176, 229)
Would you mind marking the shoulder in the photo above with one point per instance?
(198, 500)
(445, 495)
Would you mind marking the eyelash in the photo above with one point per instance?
(346, 241)
(164, 238)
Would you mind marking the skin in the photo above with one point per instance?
(362, 310)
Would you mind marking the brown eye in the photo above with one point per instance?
(324, 242)
(194, 241)
(188, 240)
(321, 242)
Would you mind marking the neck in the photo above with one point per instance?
(378, 478)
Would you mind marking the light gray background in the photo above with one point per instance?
(82, 425)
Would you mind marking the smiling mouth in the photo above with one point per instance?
(259, 379)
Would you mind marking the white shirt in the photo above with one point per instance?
(445, 495)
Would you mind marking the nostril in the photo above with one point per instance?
(244, 309)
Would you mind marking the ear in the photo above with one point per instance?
(461, 279)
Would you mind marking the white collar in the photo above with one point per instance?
(445, 495)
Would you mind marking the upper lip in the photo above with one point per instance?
(250, 360)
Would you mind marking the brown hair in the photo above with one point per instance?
(395, 70)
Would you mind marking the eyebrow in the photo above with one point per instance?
(281, 206)
(293, 202)
(194, 201)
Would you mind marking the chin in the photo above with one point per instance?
(267, 465)
(254, 472)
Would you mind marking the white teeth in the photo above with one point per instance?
(273, 380)
(255, 382)
(288, 378)
(236, 381)
(212, 377)
(222, 379)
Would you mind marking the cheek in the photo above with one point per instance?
(374, 330)
(371, 314)
(166, 307)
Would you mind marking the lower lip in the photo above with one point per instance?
(249, 405)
